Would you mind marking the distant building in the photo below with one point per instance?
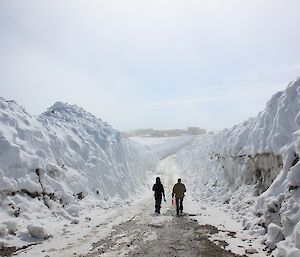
(164, 133)
(196, 131)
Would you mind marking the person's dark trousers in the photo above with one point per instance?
(179, 205)
(157, 204)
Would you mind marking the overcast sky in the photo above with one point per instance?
(161, 64)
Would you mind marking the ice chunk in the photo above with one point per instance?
(73, 210)
(3, 230)
(12, 226)
(37, 231)
(274, 235)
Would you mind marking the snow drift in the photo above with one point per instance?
(65, 154)
(255, 166)
(50, 163)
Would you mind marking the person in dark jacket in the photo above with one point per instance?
(159, 192)
(178, 191)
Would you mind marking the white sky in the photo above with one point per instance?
(161, 64)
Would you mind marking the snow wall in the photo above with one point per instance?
(50, 163)
(254, 169)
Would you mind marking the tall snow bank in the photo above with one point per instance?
(111, 165)
(254, 165)
(50, 163)
(67, 153)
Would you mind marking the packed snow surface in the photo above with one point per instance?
(254, 169)
(54, 165)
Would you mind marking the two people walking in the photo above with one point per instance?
(159, 193)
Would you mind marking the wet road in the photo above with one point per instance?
(164, 236)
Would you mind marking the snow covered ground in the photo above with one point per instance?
(55, 166)
(99, 225)
(252, 171)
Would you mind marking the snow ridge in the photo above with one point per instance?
(74, 152)
(255, 166)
